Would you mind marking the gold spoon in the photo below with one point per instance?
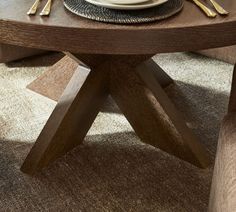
(205, 9)
(33, 9)
(47, 9)
(218, 8)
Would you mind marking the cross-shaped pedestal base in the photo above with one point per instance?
(135, 83)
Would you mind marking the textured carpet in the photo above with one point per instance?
(112, 170)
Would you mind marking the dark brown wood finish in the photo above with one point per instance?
(53, 82)
(98, 45)
(223, 188)
(226, 54)
(63, 31)
(182, 143)
(151, 114)
(9, 53)
(70, 120)
(158, 73)
(125, 79)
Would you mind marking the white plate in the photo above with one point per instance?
(144, 5)
(125, 2)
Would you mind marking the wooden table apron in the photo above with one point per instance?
(114, 60)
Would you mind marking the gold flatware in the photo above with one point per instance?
(205, 9)
(47, 9)
(33, 9)
(218, 8)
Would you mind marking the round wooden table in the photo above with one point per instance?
(115, 60)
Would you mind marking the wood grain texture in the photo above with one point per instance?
(80, 103)
(155, 125)
(10, 53)
(63, 31)
(158, 73)
(70, 120)
(53, 82)
(183, 142)
(226, 54)
(223, 188)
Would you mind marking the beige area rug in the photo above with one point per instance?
(112, 170)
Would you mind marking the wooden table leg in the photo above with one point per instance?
(71, 119)
(140, 97)
(152, 115)
(223, 188)
(53, 82)
(183, 138)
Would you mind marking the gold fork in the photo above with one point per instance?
(205, 9)
(218, 8)
(47, 9)
(33, 9)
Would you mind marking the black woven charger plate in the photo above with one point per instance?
(90, 11)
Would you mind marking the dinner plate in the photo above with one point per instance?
(125, 2)
(93, 12)
(144, 5)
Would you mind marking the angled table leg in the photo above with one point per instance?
(190, 149)
(158, 74)
(71, 119)
(152, 115)
(133, 83)
(54, 80)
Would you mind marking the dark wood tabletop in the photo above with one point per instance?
(63, 31)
